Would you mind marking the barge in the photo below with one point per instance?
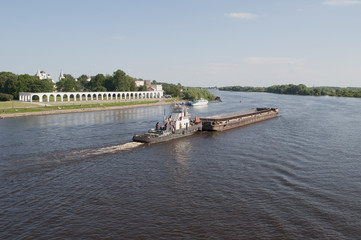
(177, 125)
(237, 119)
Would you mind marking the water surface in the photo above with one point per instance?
(294, 177)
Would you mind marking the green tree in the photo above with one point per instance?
(96, 83)
(42, 85)
(109, 83)
(83, 82)
(8, 83)
(191, 93)
(172, 89)
(142, 88)
(25, 82)
(121, 82)
(133, 87)
(302, 90)
(68, 84)
(358, 93)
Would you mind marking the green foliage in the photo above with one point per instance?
(6, 97)
(96, 83)
(8, 82)
(123, 82)
(26, 82)
(118, 82)
(42, 85)
(68, 84)
(188, 93)
(242, 89)
(197, 93)
(100, 89)
(83, 83)
(109, 83)
(142, 88)
(300, 89)
(172, 89)
(11, 83)
(346, 93)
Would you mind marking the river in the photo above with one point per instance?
(75, 176)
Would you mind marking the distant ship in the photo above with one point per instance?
(199, 102)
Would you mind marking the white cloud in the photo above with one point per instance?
(342, 2)
(248, 16)
(272, 60)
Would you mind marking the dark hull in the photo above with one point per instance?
(238, 119)
(166, 135)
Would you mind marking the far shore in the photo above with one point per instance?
(80, 110)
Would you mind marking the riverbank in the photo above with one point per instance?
(80, 109)
(300, 89)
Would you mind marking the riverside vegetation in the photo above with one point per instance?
(300, 89)
(11, 84)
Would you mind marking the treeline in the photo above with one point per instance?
(300, 89)
(119, 81)
(11, 85)
(188, 93)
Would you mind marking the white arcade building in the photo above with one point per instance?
(87, 96)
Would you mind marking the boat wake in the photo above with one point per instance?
(110, 150)
(52, 160)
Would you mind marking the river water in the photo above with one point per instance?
(76, 176)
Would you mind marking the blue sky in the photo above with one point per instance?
(195, 43)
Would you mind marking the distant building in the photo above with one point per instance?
(42, 75)
(149, 85)
(61, 76)
(139, 83)
(157, 87)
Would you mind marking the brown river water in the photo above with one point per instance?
(78, 176)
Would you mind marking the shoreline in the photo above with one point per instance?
(80, 110)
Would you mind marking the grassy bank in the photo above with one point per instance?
(16, 104)
(21, 107)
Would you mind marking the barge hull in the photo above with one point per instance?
(149, 138)
(238, 119)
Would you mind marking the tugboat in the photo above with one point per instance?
(177, 125)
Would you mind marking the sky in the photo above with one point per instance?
(202, 43)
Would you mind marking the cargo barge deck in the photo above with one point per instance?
(237, 119)
(180, 125)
